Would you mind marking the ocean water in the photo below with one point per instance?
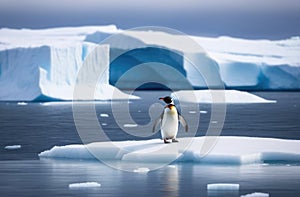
(40, 126)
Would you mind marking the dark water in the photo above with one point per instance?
(38, 127)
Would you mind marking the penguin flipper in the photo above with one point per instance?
(158, 121)
(183, 122)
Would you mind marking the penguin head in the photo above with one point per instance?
(167, 99)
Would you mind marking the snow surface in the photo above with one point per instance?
(43, 64)
(84, 185)
(256, 194)
(206, 96)
(227, 151)
(223, 186)
(12, 147)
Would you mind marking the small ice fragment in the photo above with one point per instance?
(141, 170)
(223, 186)
(256, 194)
(214, 122)
(104, 124)
(104, 115)
(84, 185)
(192, 112)
(12, 147)
(130, 125)
(203, 112)
(139, 111)
(22, 103)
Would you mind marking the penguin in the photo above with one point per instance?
(169, 121)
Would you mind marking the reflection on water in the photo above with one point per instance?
(52, 178)
(170, 181)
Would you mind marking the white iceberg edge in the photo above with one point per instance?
(227, 151)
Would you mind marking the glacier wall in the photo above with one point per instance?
(43, 64)
(45, 72)
(241, 64)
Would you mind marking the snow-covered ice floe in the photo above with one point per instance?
(12, 147)
(84, 185)
(218, 96)
(226, 151)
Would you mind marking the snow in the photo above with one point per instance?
(226, 151)
(256, 194)
(84, 185)
(12, 147)
(43, 64)
(206, 96)
(223, 186)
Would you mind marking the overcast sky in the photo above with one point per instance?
(273, 19)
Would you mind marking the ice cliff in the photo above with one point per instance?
(44, 64)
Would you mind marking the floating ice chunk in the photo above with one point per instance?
(12, 147)
(203, 112)
(142, 170)
(214, 122)
(192, 112)
(130, 125)
(104, 115)
(218, 96)
(223, 186)
(84, 185)
(22, 103)
(104, 124)
(256, 194)
(227, 151)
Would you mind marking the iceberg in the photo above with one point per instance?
(226, 151)
(226, 96)
(256, 64)
(43, 64)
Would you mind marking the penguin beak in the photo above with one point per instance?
(161, 98)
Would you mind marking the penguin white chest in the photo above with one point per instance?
(169, 127)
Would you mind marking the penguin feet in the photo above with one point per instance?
(174, 140)
(166, 142)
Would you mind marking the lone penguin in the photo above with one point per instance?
(169, 121)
